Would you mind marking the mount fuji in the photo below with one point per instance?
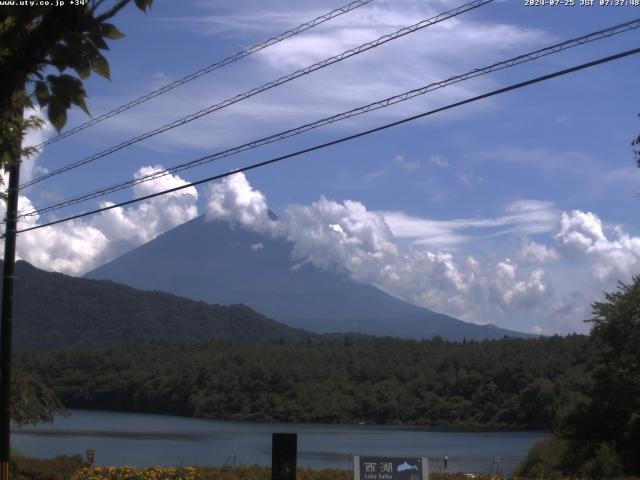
(220, 263)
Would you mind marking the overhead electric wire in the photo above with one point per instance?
(527, 57)
(267, 86)
(345, 139)
(214, 66)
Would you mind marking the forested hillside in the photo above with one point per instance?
(53, 310)
(509, 383)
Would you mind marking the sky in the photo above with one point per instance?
(517, 210)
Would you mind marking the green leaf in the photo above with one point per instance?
(98, 41)
(143, 5)
(100, 65)
(79, 59)
(82, 68)
(110, 31)
(59, 57)
(89, 48)
(42, 93)
(78, 100)
(57, 113)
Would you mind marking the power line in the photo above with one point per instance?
(267, 86)
(214, 66)
(345, 139)
(598, 35)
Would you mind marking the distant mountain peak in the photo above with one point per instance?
(216, 262)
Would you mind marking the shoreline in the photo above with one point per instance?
(390, 426)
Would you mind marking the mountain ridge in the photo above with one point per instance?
(53, 310)
(218, 262)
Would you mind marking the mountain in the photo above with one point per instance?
(218, 262)
(53, 310)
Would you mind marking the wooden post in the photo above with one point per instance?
(7, 319)
(284, 453)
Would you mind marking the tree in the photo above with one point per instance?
(604, 432)
(40, 46)
(32, 400)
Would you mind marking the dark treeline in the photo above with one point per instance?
(53, 310)
(509, 383)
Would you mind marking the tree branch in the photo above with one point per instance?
(96, 4)
(112, 11)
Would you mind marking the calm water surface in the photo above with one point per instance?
(144, 440)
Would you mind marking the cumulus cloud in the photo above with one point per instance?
(77, 246)
(235, 200)
(132, 226)
(34, 137)
(372, 247)
(349, 237)
(515, 282)
(68, 248)
(616, 256)
(346, 234)
(531, 252)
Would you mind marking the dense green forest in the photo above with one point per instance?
(509, 383)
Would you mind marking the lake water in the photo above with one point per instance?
(145, 440)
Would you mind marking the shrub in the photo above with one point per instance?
(605, 463)
(59, 468)
(544, 460)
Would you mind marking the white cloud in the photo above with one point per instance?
(531, 252)
(348, 236)
(413, 166)
(582, 233)
(500, 285)
(132, 226)
(569, 312)
(235, 200)
(456, 45)
(469, 179)
(68, 247)
(438, 161)
(521, 217)
(407, 165)
(77, 246)
(508, 291)
(497, 285)
(34, 137)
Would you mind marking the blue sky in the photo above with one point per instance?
(518, 210)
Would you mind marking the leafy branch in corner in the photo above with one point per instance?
(45, 54)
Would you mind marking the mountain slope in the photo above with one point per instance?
(220, 263)
(53, 310)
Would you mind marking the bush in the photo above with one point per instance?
(544, 460)
(605, 463)
(59, 468)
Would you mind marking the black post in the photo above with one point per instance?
(6, 320)
(284, 452)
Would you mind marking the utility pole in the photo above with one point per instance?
(7, 318)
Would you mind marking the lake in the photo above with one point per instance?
(145, 440)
